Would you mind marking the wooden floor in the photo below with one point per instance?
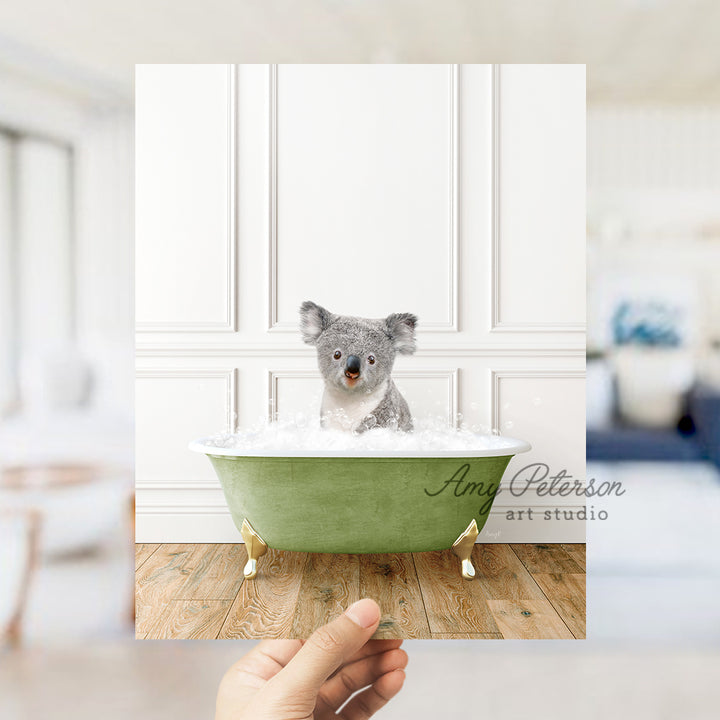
(520, 591)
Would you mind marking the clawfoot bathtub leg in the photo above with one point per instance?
(255, 546)
(463, 546)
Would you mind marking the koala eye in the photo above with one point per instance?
(337, 354)
(371, 359)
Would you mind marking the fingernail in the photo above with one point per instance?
(364, 612)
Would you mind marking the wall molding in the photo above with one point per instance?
(272, 258)
(172, 510)
(230, 375)
(450, 374)
(166, 522)
(229, 324)
(213, 485)
(274, 325)
(497, 324)
(267, 350)
(175, 508)
(273, 378)
(538, 327)
(451, 325)
(497, 375)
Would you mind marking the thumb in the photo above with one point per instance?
(328, 648)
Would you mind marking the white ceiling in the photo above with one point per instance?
(636, 50)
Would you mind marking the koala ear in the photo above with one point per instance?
(401, 329)
(313, 321)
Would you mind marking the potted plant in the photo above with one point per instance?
(653, 364)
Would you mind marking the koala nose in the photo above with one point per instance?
(352, 366)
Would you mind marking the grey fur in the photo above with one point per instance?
(362, 337)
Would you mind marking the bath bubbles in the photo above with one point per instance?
(302, 433)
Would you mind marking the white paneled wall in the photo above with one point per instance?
(183, 203)
(454, 192)
(541, 199)
(365, 174)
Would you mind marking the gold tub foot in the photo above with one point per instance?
(255, 546)
(463, 546)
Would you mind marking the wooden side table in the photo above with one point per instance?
(23, 527)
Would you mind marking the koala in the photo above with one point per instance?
(355, 357)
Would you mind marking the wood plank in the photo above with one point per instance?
(505, 578)
(145, 614)
(528, 620)
(142, 552)
(566, 592)
(220, 577)
(162, 575)
(189, 620)
(201, 566)
(141, 634)
(453, 604)
(421, 595)
(545, 558)
(330, 584)
(391, 580)
(264, 607)
(467, 636)
(577, 552)
(502, 575)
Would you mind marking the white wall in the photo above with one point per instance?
(455, 192)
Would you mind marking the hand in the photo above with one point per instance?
(311, 680)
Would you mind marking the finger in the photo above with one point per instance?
(328, 648)
(268, 657)
(265, 660)
(280, 651)
(249, 674)
(355, 676)
(374, 647)
(370, 700)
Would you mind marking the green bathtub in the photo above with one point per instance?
(375, 503)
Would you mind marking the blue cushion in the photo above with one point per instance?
(704, 406)
(626, 443)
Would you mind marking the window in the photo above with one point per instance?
(37, 267)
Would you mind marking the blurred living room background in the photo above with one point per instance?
(653, 364)
(66, 356)
(66, 377)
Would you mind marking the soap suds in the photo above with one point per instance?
(300, 434)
